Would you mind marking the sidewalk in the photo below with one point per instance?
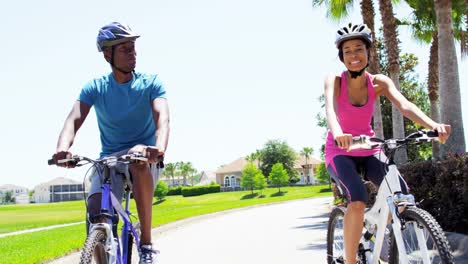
(39, 229)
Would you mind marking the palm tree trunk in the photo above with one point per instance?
(368, 14)
(450, 100)
(391, 42)
(433, 89)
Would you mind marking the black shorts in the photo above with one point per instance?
(346, 172)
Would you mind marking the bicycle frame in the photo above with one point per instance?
(389, 199)
(117, 249)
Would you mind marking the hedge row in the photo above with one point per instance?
(199, 190)
(175, 191)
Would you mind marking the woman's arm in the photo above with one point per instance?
(407, 108)
(331, 92)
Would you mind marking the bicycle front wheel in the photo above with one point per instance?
(419, 224)
(94, 250)
(335, 236)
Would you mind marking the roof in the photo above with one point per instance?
(11, 187)
(239, 164)
(207, 177)
(235, 166)
(59, 181)
(301, 161)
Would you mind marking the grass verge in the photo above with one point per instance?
(41, 246)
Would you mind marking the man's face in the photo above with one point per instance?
(124, 55)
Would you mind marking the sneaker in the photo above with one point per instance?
(147, 254)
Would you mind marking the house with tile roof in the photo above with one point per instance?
(228, 176)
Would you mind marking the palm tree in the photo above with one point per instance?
(391, 43)
(185, 169)
(169, 170)
(424, 28)
(337, 10)
(192, 172)
(255, 156)
(251, 157)
(306, 152)
(450, 100)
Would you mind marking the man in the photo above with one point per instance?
(133, 116)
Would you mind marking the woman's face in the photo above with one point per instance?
(355, 56)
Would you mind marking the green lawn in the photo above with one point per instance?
(41, 246)
(21, 217)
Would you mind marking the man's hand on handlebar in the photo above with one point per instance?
(150, 152)
(62, 155)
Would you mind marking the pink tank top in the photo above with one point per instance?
(355, 120)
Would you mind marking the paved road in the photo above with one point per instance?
(289, 232)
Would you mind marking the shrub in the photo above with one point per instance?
(161, 190)
(442, 189)
(199, 190)
(175, 191)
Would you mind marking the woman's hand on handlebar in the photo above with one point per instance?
(444, 131)
(344, 141)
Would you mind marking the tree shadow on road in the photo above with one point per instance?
(313, 246)
(324, 215)
(315, 226)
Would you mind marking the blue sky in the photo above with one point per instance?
(238, 73)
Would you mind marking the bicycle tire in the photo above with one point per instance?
(437, 244)
(335, 244)
(95, 245)
(130, 248)
(131, 241)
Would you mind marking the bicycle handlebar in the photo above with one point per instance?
(130, 158)
(366, 142)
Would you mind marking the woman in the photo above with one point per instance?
(349, 105)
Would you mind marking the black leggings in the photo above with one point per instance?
(345, 172)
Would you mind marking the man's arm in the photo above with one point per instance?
(75, 119)
(161, 120)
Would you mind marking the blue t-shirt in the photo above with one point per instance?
(124, 110)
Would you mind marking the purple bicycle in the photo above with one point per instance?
(103, 244)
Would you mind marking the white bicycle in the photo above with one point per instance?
(414, 236)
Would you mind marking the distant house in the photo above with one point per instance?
(170, 181)
(207, 177)
(22, 198)
(58, 190)
(19, 193)
(228, 176)
(307, 169)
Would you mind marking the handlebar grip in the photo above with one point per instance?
(432, 133)
(160, 164)
(51, 162)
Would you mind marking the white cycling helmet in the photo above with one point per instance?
(359, 31)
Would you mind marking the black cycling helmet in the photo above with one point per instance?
(359, 31)
(113, 34)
